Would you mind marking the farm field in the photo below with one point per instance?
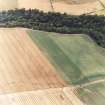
(77, 8)
(8, 4)
(26, 76)
(42, 68)
(21, 69)
(71, 7)
(38, 4)
(62, 6)
(76, 57)
(93, 94)
(74, 1)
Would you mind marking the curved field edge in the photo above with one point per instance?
(76, 57)
(93, 94)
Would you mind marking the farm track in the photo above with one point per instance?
(23, 67)
(55, 96)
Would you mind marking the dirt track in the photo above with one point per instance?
(58, 96)
(22, 66)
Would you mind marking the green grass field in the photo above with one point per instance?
(93, 94)
(76, 57)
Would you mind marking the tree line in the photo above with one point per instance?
(92, 25)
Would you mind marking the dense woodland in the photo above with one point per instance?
(93, 26)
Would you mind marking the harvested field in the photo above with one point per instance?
(8, 4)
(39, 4)
(75, 1)
(59, 96)
(71, 7)
(79, 60)
(22, 66)
(77, 9)
(61, 6)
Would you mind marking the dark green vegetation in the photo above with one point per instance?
(56, 22)
(76, 57)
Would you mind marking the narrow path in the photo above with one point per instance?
(90, 83)
(93, 12)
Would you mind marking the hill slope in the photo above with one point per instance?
(79, 60)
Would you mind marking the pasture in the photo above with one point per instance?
(74, 56)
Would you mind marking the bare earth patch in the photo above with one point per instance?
(22, 66)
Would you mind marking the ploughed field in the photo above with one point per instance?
(78, 60)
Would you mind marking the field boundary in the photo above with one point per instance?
(90, 83)
(64, 96)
